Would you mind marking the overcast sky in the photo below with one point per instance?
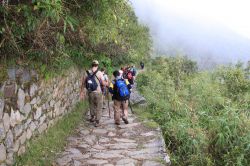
(235, 14)
(206, 30)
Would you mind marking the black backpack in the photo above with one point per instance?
(91, 84)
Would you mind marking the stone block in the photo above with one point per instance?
(52, 103)
(21, 150)
(2, 153)
(2, 132)
(10, 158)
(47, 105)
(10, 90)
(12, 73)
(16, 146)
(55, 93)
(18, 129)
(44, 107)
(42, 119)
(15, 118)
(33, 101)
(50, 114)
(33, 126)
(38, 100)
(27, 123)
(26, 109)
(38, 113)
(96, 162)
(20, 99)
(6, 121)
(42, 128)
(29, 134)
(1, 107)
(33, 89)
(25, 77)
(9, 140)
(23, 138)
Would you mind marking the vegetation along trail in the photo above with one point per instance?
(45, 47)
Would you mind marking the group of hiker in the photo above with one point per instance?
(98, 87)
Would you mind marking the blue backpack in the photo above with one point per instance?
(122, 91)
(91, 84)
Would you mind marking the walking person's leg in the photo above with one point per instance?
(125, 111)
(98, 108)
(117, 112)
(91, 107)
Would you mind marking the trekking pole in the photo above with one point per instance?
(130, 107)
(108, 106)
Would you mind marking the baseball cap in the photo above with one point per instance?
(95, 62)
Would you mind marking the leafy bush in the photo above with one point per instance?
(203, 115)
(61, 33)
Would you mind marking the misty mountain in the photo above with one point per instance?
(212, 44)
(207, 42)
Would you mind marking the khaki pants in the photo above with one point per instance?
(95, 105)
(118, 105)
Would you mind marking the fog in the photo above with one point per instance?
(206, 31)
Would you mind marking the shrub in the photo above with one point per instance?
(203, 115)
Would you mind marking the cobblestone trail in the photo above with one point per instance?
(108, 145)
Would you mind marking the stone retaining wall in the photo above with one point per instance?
(28, 106)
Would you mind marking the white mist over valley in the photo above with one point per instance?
(209, 32)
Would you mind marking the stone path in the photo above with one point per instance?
(108, 145)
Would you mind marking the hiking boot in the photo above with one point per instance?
(97, 123)
(117, 123)
(125, 120)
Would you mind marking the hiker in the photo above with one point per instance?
(122, 71)
(142, 65)
(93, 82)
(128, 74)
(133, 70)
(104, 87)
(120, 88)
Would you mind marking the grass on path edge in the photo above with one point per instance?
(43, 149)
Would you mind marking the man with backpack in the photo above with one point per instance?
(93, 82)
(120, 88)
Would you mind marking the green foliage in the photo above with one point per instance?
(59, 33)
(43, 149)
(234, 79)
(204, 115)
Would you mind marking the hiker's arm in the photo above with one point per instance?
(106, 80)
(101, 79)
(128, 84)
(111, 88)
